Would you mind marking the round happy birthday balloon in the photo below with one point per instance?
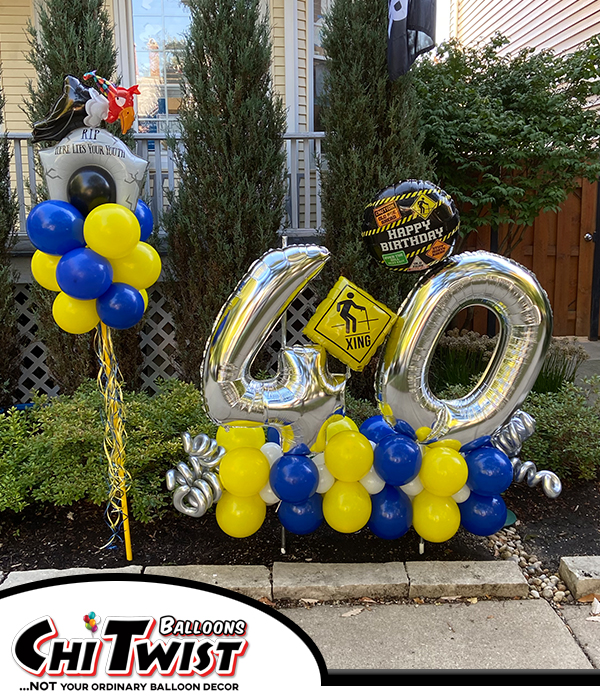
(410, 226)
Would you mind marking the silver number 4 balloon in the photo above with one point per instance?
(304, 393)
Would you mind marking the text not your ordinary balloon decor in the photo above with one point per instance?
(424, 462)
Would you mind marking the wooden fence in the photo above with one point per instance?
(556, 251)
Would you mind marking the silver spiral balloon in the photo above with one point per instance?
(198, 486)
(304, 393)
(551, 484)
(510, 438)
(522, 307)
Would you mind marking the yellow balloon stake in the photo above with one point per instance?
(114, 438)
(435, 518)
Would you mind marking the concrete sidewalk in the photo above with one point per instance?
(411, 615)
(488, 635)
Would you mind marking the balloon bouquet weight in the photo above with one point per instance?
(91, 245)
(424, 462)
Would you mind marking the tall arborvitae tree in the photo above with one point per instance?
(10, 347)
(372, 140)
(230, 200)
(71, 38)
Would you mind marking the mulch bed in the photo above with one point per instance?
(49, 537)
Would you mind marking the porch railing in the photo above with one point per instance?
(303, 201)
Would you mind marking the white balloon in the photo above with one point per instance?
(268, 495)
(372, 482)
(413, 487)
(272, 451)
(326, 478)
(462, 495)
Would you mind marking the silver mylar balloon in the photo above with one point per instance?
(304, 393)
(522, 307)
(195, 489)
(510, 438)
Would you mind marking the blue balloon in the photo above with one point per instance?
(143, 214)
(490, 471)
(405, 428)
(55, 227)
(273, 436)
(482, 515)
(483, 441)
(301, 449)
(376, 428)
(121, 306)
(302, 518)
(294, 478)
(391, 516)
(83, 274)
(397, 459)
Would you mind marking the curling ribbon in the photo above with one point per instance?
(109, 381)
(510, 438)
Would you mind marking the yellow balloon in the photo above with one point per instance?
(244, 471)
(347, 506)
(43, 269)
(435, 518)
(422, 433)
(231, 438)
(111, 230)
(75, 315)
(349, 456)
(240, 516)
(448, 442)
(321, 440)
(140, 268)
(443, 471)
(144, 294)
(339, 426)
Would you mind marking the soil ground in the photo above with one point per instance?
(67, 537)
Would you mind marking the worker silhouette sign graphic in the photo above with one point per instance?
(344, 310)
(350, 323)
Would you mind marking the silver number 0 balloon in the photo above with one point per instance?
(303, 394)
(522, 307)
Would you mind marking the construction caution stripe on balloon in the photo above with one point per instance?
(350, 324)
(410, 226)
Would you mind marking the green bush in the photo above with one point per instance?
(567, 434)
(54, 452)
(460, 356)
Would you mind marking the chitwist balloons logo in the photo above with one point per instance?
(145, 634)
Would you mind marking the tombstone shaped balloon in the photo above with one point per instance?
(304, 393)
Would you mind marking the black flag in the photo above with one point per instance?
(411, 31)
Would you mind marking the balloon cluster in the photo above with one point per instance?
(91, 621)
(99, 262)
(377, 476)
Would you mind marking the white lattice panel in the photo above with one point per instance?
(34, 371)
(157, 342)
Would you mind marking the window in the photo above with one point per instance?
(320, 8)
(158, 28)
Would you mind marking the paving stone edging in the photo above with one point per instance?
(295, 581)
